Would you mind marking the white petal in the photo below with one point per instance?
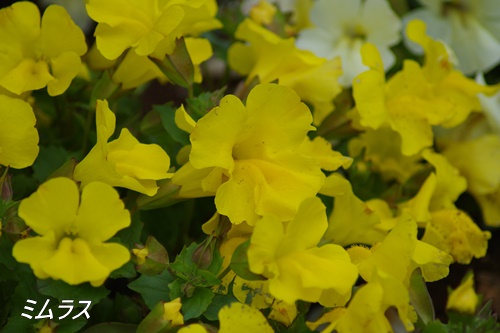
(350, 52)
(381, 24)
(491, 106)
(475, 47)
(317, 41)
(333, 14)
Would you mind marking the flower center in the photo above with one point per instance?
(355, 32)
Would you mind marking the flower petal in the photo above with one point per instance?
(52, 208)
(18, 135)
(101, 213)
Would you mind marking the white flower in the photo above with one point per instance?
(490, 106)
(470, 27)
(343, 26)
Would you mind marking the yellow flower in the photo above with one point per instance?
(237, 317)
(172, 312)
(252, 160)
(72, 231)
(297, 269)
(416, 98)
(400, 253)
(149, 27)
(18, 136)
(33, 54)
(269, 58)
(124, 162)
(464, 298)
(387, 267)
(382, 148)
(366, 311)
(263, 12)
(452, 231)
(352, 220)
(477, 160)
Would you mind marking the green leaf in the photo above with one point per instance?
(111, 328)
(70, 325)
(49, 160)
(103, 89)
(167, 115)
(63, 291)
(194, 306)
(216, 264)
(177, 66)
(176, 288)
(183, 265)
(132, 234)
(218, 302)
(420, 298)
(200, 105)
(205, 278)
(126, 271)
(239, 263)
(436, 327)
(153, 289)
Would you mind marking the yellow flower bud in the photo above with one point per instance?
(464, 298)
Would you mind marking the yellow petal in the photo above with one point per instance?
(18, 136)
(238, 317)
(64, 69)
(321, 149)
(110, 255)
(137, 160)
(52, 208)
(216, 133)
(454, 232)
(183, 120)
(36, 251)
(74, 263)
(28, 75)
(60, 34)
(101, 213)
(267, 106)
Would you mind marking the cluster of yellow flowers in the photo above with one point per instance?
(258, 155)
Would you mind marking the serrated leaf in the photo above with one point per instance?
(194, 306)
(183, 265)
(239, 263)
(153, 289)
(436, 327)
(205, 278)
(200, 105)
